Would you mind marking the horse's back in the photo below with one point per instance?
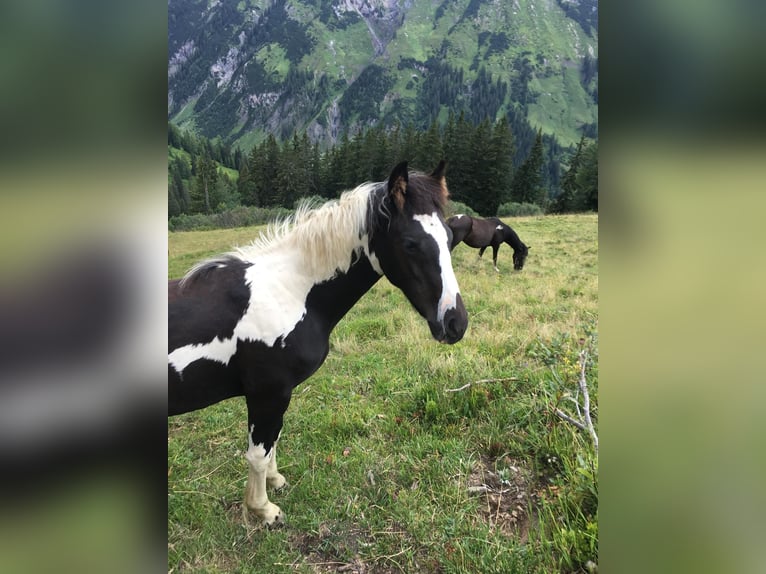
(207, 306)
(460, 225)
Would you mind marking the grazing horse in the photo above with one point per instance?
(257, 322)
(481, 233)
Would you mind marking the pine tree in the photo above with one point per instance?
(203, 197)
(245, 185)
(526, 186)
(430, 151)
(380, 164)
(483, 194)
(502, 152)
(292, 173)
(587, 179)
(178, 200)
(174, 206)
(252, 187)
(458, 153)
(315, 171)
(409, 144)
(268, 191)
(566, 200)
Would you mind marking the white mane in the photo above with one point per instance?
(323, 237)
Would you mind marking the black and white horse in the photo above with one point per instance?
(257, 322)
(481, 233)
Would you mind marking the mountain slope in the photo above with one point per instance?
(242, 69)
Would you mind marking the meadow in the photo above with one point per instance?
(405, 455)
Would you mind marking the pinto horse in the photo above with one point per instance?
(481, 233)
(257, 322)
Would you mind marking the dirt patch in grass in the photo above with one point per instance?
(507, 490)
(335, 547)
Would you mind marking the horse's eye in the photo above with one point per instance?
(410, 246)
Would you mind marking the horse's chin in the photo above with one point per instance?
(443, 335)
(437, 331)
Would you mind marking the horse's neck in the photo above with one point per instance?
(512, 239)
(332, 299)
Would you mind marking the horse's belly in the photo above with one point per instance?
(201, 384)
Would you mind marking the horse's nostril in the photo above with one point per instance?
(453, 328)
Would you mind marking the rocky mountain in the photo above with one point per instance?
(241, 69)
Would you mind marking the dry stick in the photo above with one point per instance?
(465, 386)
(588, 424)
(586, 399)
(569, 419)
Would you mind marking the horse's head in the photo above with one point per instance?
(519, 257)
(411, 243)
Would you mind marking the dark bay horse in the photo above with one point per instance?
(482, 233)
(257, 322)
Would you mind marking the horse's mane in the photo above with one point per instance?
(514, 238)
(324, 237)
(327, 235)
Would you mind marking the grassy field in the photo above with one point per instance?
(389, 467)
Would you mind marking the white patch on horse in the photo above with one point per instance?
(285, 264)
(373, 259)
(450, 290)
(500, 227)
(220, 350)
(459, 215)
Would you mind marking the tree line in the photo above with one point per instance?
(483, 170)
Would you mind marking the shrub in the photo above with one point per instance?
(513, 209)
(455, 207)
(240, 216)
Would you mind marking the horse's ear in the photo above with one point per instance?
(438, 173)
(397, 184)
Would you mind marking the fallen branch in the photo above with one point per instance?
(465, 386)
(569, 419)
(586, 399)
(587, 423)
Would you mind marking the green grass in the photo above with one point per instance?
(379, 456)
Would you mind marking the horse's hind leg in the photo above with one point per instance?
(264, 424)
(495, 249)
(274, 478)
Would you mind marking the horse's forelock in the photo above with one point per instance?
(427, 194)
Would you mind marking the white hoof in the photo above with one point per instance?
(269, 515)
(276, 481)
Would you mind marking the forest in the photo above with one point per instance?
(485, 171)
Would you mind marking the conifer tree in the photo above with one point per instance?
(315, 173)
(381, 154)
(203, 196)
(268, 191)
(458, 153)
(587, 179)
(178, 197)
(483, 195)
(174, 205)
(430, 151)
(566, 200)
(245, 185)
(502, 152)
(527, 182)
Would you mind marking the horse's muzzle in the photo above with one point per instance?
(453, 327)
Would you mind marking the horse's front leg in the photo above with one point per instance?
(264, 413)
(495, 249)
